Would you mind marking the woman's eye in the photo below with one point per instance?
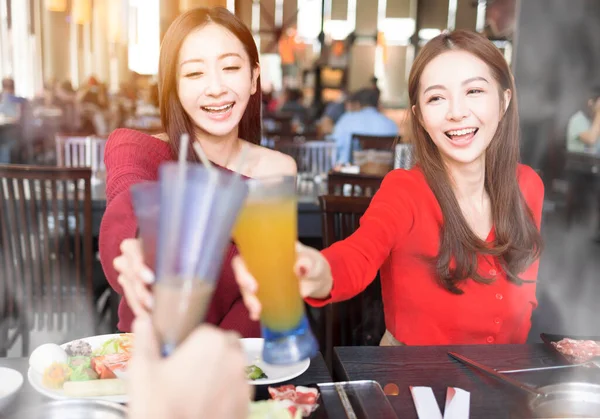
(475, 91)
(232, 68)
(194, 74)
(434, 99)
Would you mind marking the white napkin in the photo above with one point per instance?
(457, 403)
(425, 403)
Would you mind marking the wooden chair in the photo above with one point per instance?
(360, 184)
(81, 151)
(582, 172)
(360, 320)
(46, 252)
(374, 142)
(312, 158)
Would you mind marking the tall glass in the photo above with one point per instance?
(145, 198)
(266, 234)
(196, 220)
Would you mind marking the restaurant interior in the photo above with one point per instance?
(74, 71)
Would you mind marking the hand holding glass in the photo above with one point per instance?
(196, 219)
(265, 234)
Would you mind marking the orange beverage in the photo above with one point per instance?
(265, 234)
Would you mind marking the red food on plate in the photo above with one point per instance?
(306, 395)
(116, 361)
(298, 398)
(578, 350)
(287, 392)
(101, 369)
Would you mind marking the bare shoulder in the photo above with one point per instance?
(162, 137)
(265, 162)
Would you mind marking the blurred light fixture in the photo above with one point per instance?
(82, 11)
(338, 29)
(144, 36)
(429, 33)
(115, 21)
(56, 5)
(397, 29)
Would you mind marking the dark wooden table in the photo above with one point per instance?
(430, 366)
(588, 162)
(309, 213)
(28, 397)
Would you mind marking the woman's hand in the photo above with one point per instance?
(311, 268)
(134, 276)
(204, 377)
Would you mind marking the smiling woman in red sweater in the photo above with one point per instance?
(456, 239)
(209, 87)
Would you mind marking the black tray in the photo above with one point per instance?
(548, 338)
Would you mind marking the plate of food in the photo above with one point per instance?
(93, 367)
(575, 349)
(261, 373)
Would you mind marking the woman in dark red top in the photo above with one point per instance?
(209, 83)
(456, 239)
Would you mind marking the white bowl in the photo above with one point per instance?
(10, 383)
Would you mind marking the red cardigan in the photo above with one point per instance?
(132, 157)
(401, 225)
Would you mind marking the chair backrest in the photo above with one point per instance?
(341, 216)
(313, 157)
(350, 184)
(360, 320)
(374, 142)
(80, 151)
(46, 252)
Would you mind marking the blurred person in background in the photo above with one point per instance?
(583, 136)
(365, 121)
(374, 85)
(292, 105)
(583, 130)
(11, 105)
(92, 100)
(334, 111)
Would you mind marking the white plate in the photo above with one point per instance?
(95, 341)
(11, 382)
(276, 373)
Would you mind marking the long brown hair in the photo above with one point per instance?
(174, 119)
(518, 241)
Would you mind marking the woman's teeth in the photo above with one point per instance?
(218, 109)
(461, 132)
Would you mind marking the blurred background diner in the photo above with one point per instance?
(334, 78)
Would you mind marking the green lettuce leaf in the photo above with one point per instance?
(109, 347)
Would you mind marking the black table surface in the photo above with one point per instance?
(309, 213)
(28, 397)
(431, 366)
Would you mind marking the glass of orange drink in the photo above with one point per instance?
(265, 234)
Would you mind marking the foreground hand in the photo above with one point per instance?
(134, 276)
(204, 378)
(311, 268)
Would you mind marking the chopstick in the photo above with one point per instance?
(350, 414)
(493, 373)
